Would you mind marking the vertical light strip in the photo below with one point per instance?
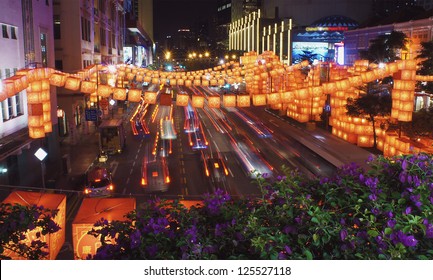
(289, 43)
(281, 41)
(249, 33)
(274, 41)
(252, 32)
(269, 38)
(258, 31)
(263, 39)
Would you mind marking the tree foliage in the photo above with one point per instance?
(421, 124)
(16, 220)
(369, 106)
(386, 47)
(426, 66)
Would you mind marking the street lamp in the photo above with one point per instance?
(41, 154)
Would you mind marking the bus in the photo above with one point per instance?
(112, 138)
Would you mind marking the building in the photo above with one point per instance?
(315, 26)
(86, 32)
(27, 42)
(139, 46)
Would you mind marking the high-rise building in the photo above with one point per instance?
(139, 41)
(86, 32)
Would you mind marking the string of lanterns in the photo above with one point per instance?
(267, 82)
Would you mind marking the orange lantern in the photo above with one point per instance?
(36, 120)
(180, 82)
(48, 127)
(35, 109)
(58, 79)
(119, 94)
(36, 132)
(33, 97)
(134, 95)
(150, 97)
(197, 82)
(182, 100)
(172, 82)
(155, 81)
(229, 100)
(188, 83)
(104, 90)
(274, 98)
(243, 100)
(301, 94)
(72, 83)
(51, 201)
(29, 73)
(91, 211)
(197, 101)
(214, 101)
(259, 99)
(88, 87)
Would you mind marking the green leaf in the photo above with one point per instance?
(315, 237)
(315, 220)
(308, 254)
(373, 233)
(388, 230)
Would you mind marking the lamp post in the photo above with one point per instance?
(41, 154)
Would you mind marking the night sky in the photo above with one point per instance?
(171, 15)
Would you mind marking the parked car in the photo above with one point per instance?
(98, 182)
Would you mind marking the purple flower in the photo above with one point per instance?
(135, 239)
(343, 234)
(408, 210)
(409, 241)
(372, 197)
(429, 231)
(288, 250)
(391, 223)
(191, 234)
(152, 250)
(404, 164)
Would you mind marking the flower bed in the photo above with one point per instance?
(385, 213)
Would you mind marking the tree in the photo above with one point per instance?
(369, 106)
(426, 66)
(385, 48)
(16, 220)
(421, 124)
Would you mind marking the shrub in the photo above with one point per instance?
(383, 213)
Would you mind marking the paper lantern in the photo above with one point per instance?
(36, 132)
(197, 101)
(147, 79)
(36, 120)
(205, 83)
(259, 99)
(155, 81)
(20, 82)
(408, 75)
(188, 83)
(404, 116)
(301, 94)
(91, 211)
(243, 100)
(406, 106)
(46, 116)
(29, 73)
(229, 100)
(172, 82)
(316, 91)
(46, 106)
(36, 86)
(48, 127)
(72, 83)
(50, 201)
(150, 97)
(119, 93)
(182, 100)
(134, 95)
(221, 82)
(180, 82)
(274, 98)
(33, 97)
(214, 101)
(35, 109)
(104, 90)
(88, 87)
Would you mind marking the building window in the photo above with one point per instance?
(10, 107)
(4, 106)
(59, 65)
(7, 72)
(57, 33)
(5, 31)
(13, 32)
(44, 50)
(18, 104)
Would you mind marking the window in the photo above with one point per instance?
(7, 72)
(44, 50)
(57, 33)
(4, 106)
(5, 31)
(10, 107)
(18, 104)
(59, 65)
(13, 33)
